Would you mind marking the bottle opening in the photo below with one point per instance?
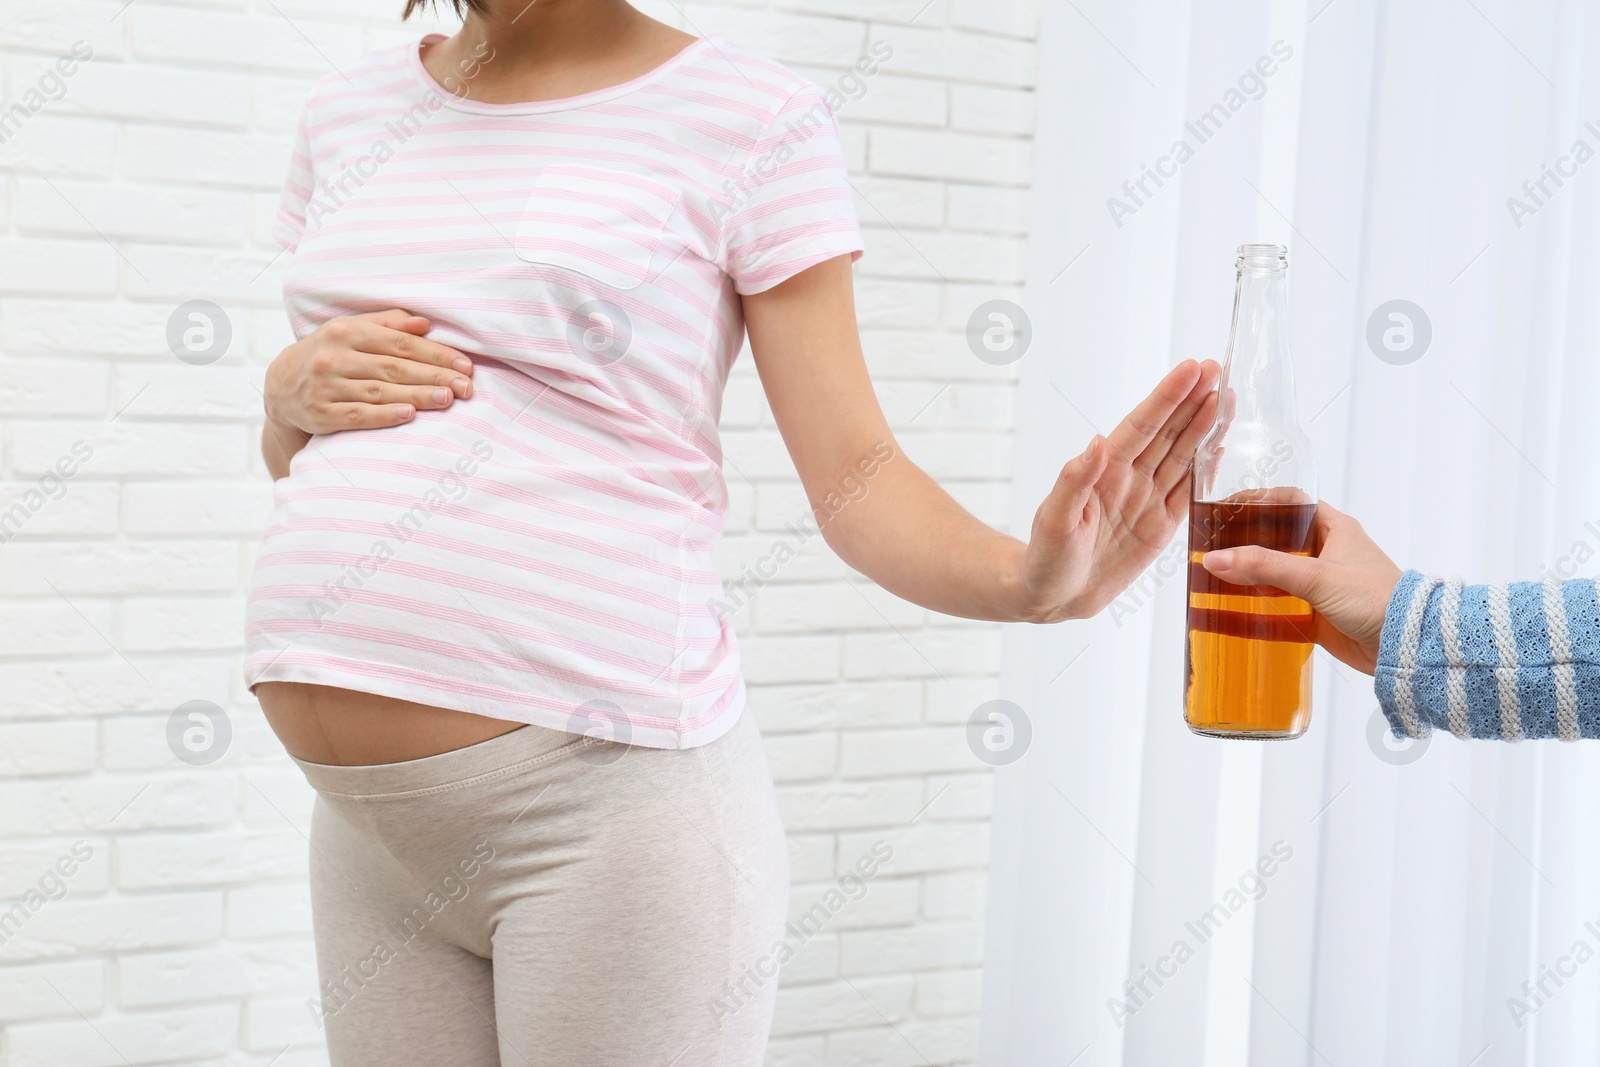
(1258, 257)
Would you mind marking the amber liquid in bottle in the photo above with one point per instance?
(1247, 651)
(1247, 665)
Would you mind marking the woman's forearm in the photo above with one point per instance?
(1107, 516)
(892, 522)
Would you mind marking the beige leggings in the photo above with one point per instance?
(549, 900)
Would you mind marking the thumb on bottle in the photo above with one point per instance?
(1253, 565)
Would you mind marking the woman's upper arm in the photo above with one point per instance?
(808, 353)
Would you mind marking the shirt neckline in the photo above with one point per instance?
(529, 107)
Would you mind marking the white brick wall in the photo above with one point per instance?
(182, 934)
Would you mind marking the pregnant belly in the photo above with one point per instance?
(489, 558)
(324, 724)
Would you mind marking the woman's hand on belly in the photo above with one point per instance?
(357, 372)
(323, 724)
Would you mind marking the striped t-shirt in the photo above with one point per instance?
(540, 552)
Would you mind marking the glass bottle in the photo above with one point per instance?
(1247, 655)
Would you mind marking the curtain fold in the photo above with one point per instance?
(1413, 891)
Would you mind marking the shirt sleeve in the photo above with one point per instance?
(1505, 660)
(792, 206)
(298, 183)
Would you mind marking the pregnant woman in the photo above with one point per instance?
(485, 619)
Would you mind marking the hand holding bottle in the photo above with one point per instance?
(1348, 583)
(1115, 508)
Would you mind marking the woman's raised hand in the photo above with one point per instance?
(361, 372)
(1114, 508)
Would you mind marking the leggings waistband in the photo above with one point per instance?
(522, 745)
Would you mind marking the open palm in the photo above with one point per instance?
(1113, 509)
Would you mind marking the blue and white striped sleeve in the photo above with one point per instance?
(1506, 660)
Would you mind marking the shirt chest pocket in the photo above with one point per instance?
(603, 223)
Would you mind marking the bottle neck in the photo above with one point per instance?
(1257, 378)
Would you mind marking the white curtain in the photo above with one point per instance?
(1423, 887)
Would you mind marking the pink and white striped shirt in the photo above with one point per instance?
(540, 552)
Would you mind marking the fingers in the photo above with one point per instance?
(1330, 518)
(1177, 500)
(357, 391)
(1299, 576)
(1164, 443)
(1134, 433)
(369, 335)
(367, 368)
(365, 416)
(395, 319)
(1174, 468)
(1075, 483)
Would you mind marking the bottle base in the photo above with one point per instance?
(1245, 733)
